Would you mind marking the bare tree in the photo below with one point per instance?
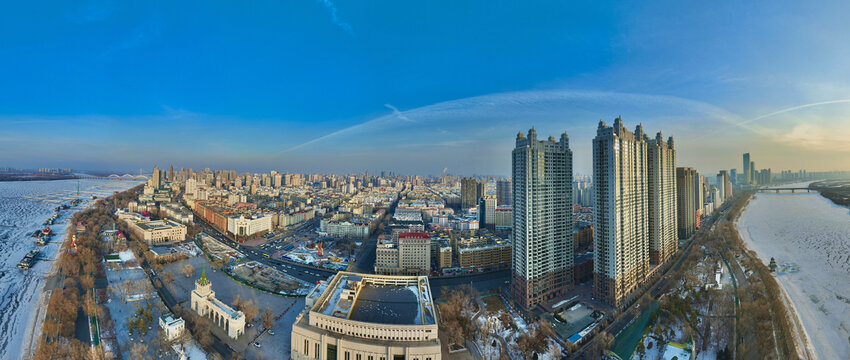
(267, 318)
(188, 270)
(250, 310)
(139, 351)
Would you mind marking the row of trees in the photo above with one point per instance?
(78, 271)
(455, 315)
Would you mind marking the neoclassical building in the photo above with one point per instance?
(367, 317)
(205, 304)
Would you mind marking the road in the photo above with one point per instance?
(655, 291)
(300, 271)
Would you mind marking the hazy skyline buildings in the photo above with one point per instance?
(542, 259)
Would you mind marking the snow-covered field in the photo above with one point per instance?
(24, 205)
(811, 233)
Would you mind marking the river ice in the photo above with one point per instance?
(810, 234)
(24, 205)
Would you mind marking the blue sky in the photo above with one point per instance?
(416, 87)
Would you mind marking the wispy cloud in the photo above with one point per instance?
(817, 138)
(503, 110)
(335, 17)
(399, 114)
(794, 108)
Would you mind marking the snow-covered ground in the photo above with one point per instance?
(24, 205)
(284, 308)
(810, 233)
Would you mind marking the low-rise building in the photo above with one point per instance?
(367, 317)
(410, 253)
(249, 225)
(494, 254)
(171, 326)
(504, 217)
(205, 304)
(358, 228)
(176, 212)
(157, 231)
(445, 254)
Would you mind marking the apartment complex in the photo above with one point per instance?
(443, 253)
(470, 191)
(487, 211)
(503, 192)
(661, 187)
(485, 256)
(367, 317)
(686, 218)
(504, 217)
(634, 206)
(409, 254)
(542, 258)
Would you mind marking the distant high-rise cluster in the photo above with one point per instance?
(543, 243)
(582, 191)
(754, 177)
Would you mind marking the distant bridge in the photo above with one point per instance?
(116, 177)
(791, 190)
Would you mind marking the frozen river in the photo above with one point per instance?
(810, 238)
(24, 205)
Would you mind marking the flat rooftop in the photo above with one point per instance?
(396, 305)
(157, 224)
(394, 300)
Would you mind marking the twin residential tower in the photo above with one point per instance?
(634, 194)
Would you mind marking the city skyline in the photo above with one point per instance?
(336, 87)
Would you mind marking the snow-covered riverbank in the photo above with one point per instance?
(24, 205)
(811, 235)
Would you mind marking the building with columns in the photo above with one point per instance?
(205, 304)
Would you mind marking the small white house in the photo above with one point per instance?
(173, 327)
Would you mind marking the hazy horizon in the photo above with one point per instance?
(343, 87)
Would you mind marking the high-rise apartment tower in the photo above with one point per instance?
(542, 259)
